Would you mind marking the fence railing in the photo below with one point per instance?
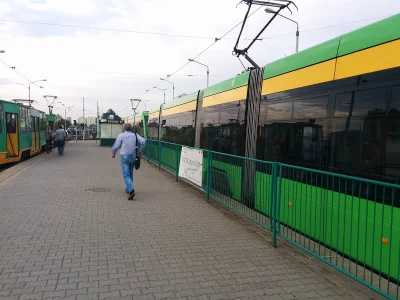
(352, 224)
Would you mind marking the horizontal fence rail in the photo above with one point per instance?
(350, 223)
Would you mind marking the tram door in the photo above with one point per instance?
(35, 134)
(12, 134)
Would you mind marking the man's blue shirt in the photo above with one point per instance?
(126, 141)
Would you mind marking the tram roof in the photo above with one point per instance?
(374, 34)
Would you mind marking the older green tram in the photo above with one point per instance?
(21, 131)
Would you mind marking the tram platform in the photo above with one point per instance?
(67, 231)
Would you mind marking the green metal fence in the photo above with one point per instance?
(352, 224)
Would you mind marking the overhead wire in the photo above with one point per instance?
(170, 34)
(323, 27)
(24, 76)
(109, 29)
(216, 40)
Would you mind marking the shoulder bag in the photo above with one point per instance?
(137, 161)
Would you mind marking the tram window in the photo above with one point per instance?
(1, 118)
(392, 147)
(22, 119)
(11, 123)
(279, 111)
(28, 120)
(395, 102)
(361, 103)
(263, 112)
(210, 117)
(296, 143)
(345, 145)
(223, 129)
(311, 108)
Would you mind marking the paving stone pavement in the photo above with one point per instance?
(67, 231)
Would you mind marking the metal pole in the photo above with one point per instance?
(65, 120)
(297, 40)
(164, 97)
(83, 136)
(208, 76)
(29, 88)
(173, 94)
(97, 123)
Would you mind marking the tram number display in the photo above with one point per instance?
(191, 165)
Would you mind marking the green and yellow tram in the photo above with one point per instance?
(334, 107)
(21, 132)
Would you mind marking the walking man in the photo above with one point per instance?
(60, 140)
(49, 139)
(126, 141)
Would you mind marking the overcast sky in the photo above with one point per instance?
(113, 66)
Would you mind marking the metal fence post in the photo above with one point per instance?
(177, 164)
(159, 155)
(148, 151)
(209, 170)
(278, 198)
(273, 224)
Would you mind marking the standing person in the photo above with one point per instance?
(126, 141)
(49, 139)
(60, 140)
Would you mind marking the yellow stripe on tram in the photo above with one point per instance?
(154, 115)
(226, 97)
(318, 73)
(181, 108)
(382, 57)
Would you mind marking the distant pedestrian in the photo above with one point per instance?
(60, 137)
(49, 139)
(128, 142)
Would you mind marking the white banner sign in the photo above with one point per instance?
(191, 165)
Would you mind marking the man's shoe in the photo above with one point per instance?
(131, 195)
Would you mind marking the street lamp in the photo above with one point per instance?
(2, 51)
(29, 86)
(208, 70)
(173, 87)
(65, 119)
(270, 11)
(161, 90)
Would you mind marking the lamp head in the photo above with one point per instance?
(270, 11)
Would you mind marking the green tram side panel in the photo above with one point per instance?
(349, 224)
(42, 138)
(317, 54)
(374, 34)
(179, 101)
(25, 140)
(234, 177)
(263, 194)
(227, 85)
(3, 144)
(8, 107)
(168, 157)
